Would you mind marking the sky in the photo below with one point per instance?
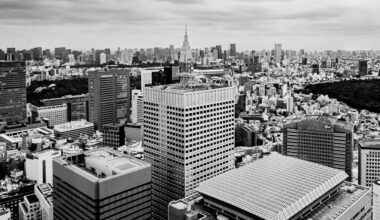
(251, 24)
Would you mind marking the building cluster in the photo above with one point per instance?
(205, 134)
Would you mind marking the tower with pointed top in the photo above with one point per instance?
(186, 55)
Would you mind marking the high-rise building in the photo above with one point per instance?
(302, 190)
(186, 55)
(188, 137)
(39, 165)
(232, 50)
(278, 52)
(109, 96)
(220, 52)
(369, 162)
(77, 106)
(363, 67)
(37, 53)
(137, 114)
(320, 139)
(113, 135)
(60, 53)
(12, 93)
(53, 115)
(101, 184)
(376, 200)
(44, 193)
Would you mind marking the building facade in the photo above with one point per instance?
(101, 184)
(13, 93)
(77, 106)
(74, 129)
(39, 165)
(320, 139)
(44, 193)
(53, 115)
(29, 209)
(188, 138)
(109, 96)
(369, 162)
(113, 135)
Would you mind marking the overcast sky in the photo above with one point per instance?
(251, 24)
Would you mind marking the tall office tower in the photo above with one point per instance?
(188, 138)
(109, 96)
(186, 50)
(369, 162)
(12, 93)
(39, 165)
(60, 53)
(137, 107)
(44, 193)
(171, 52)
(363, 67)
(320, 139)
(37, 53)
(232, 50)
(101, 184)
(277, 52)
(376, 199)
(220, 52)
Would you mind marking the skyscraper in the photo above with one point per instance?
(277, 52)
(12, 93)
(109, 96)
(101, 184)
(232, 50)
(320, 139)
(363, 67)
(369, 162)
(188, 138)
(185, 50)
(220, 52)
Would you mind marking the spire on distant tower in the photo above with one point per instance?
(186, 28)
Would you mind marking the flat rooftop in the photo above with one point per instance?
(32, 198)
(73, 125)
(373, 144)
(101, 163)
(47, 191)
(343, 200)
(183, 88)
(274, 187)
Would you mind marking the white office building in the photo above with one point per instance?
(188, 138)
(39, 166)
(369, 162)
(44, 193)
(137, 107)
(56, 114)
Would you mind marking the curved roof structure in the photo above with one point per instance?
(275, 187)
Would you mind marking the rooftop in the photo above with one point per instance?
(187, 88)
(3, 210)
(275, 187)
(342, 201)
(101, 163)
(370, 144)
(32, 198)
(47, 191)
(68, 126)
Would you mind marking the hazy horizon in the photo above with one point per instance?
(250, 24)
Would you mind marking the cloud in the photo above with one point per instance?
(148, 23)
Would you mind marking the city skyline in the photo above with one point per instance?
(148, 23)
